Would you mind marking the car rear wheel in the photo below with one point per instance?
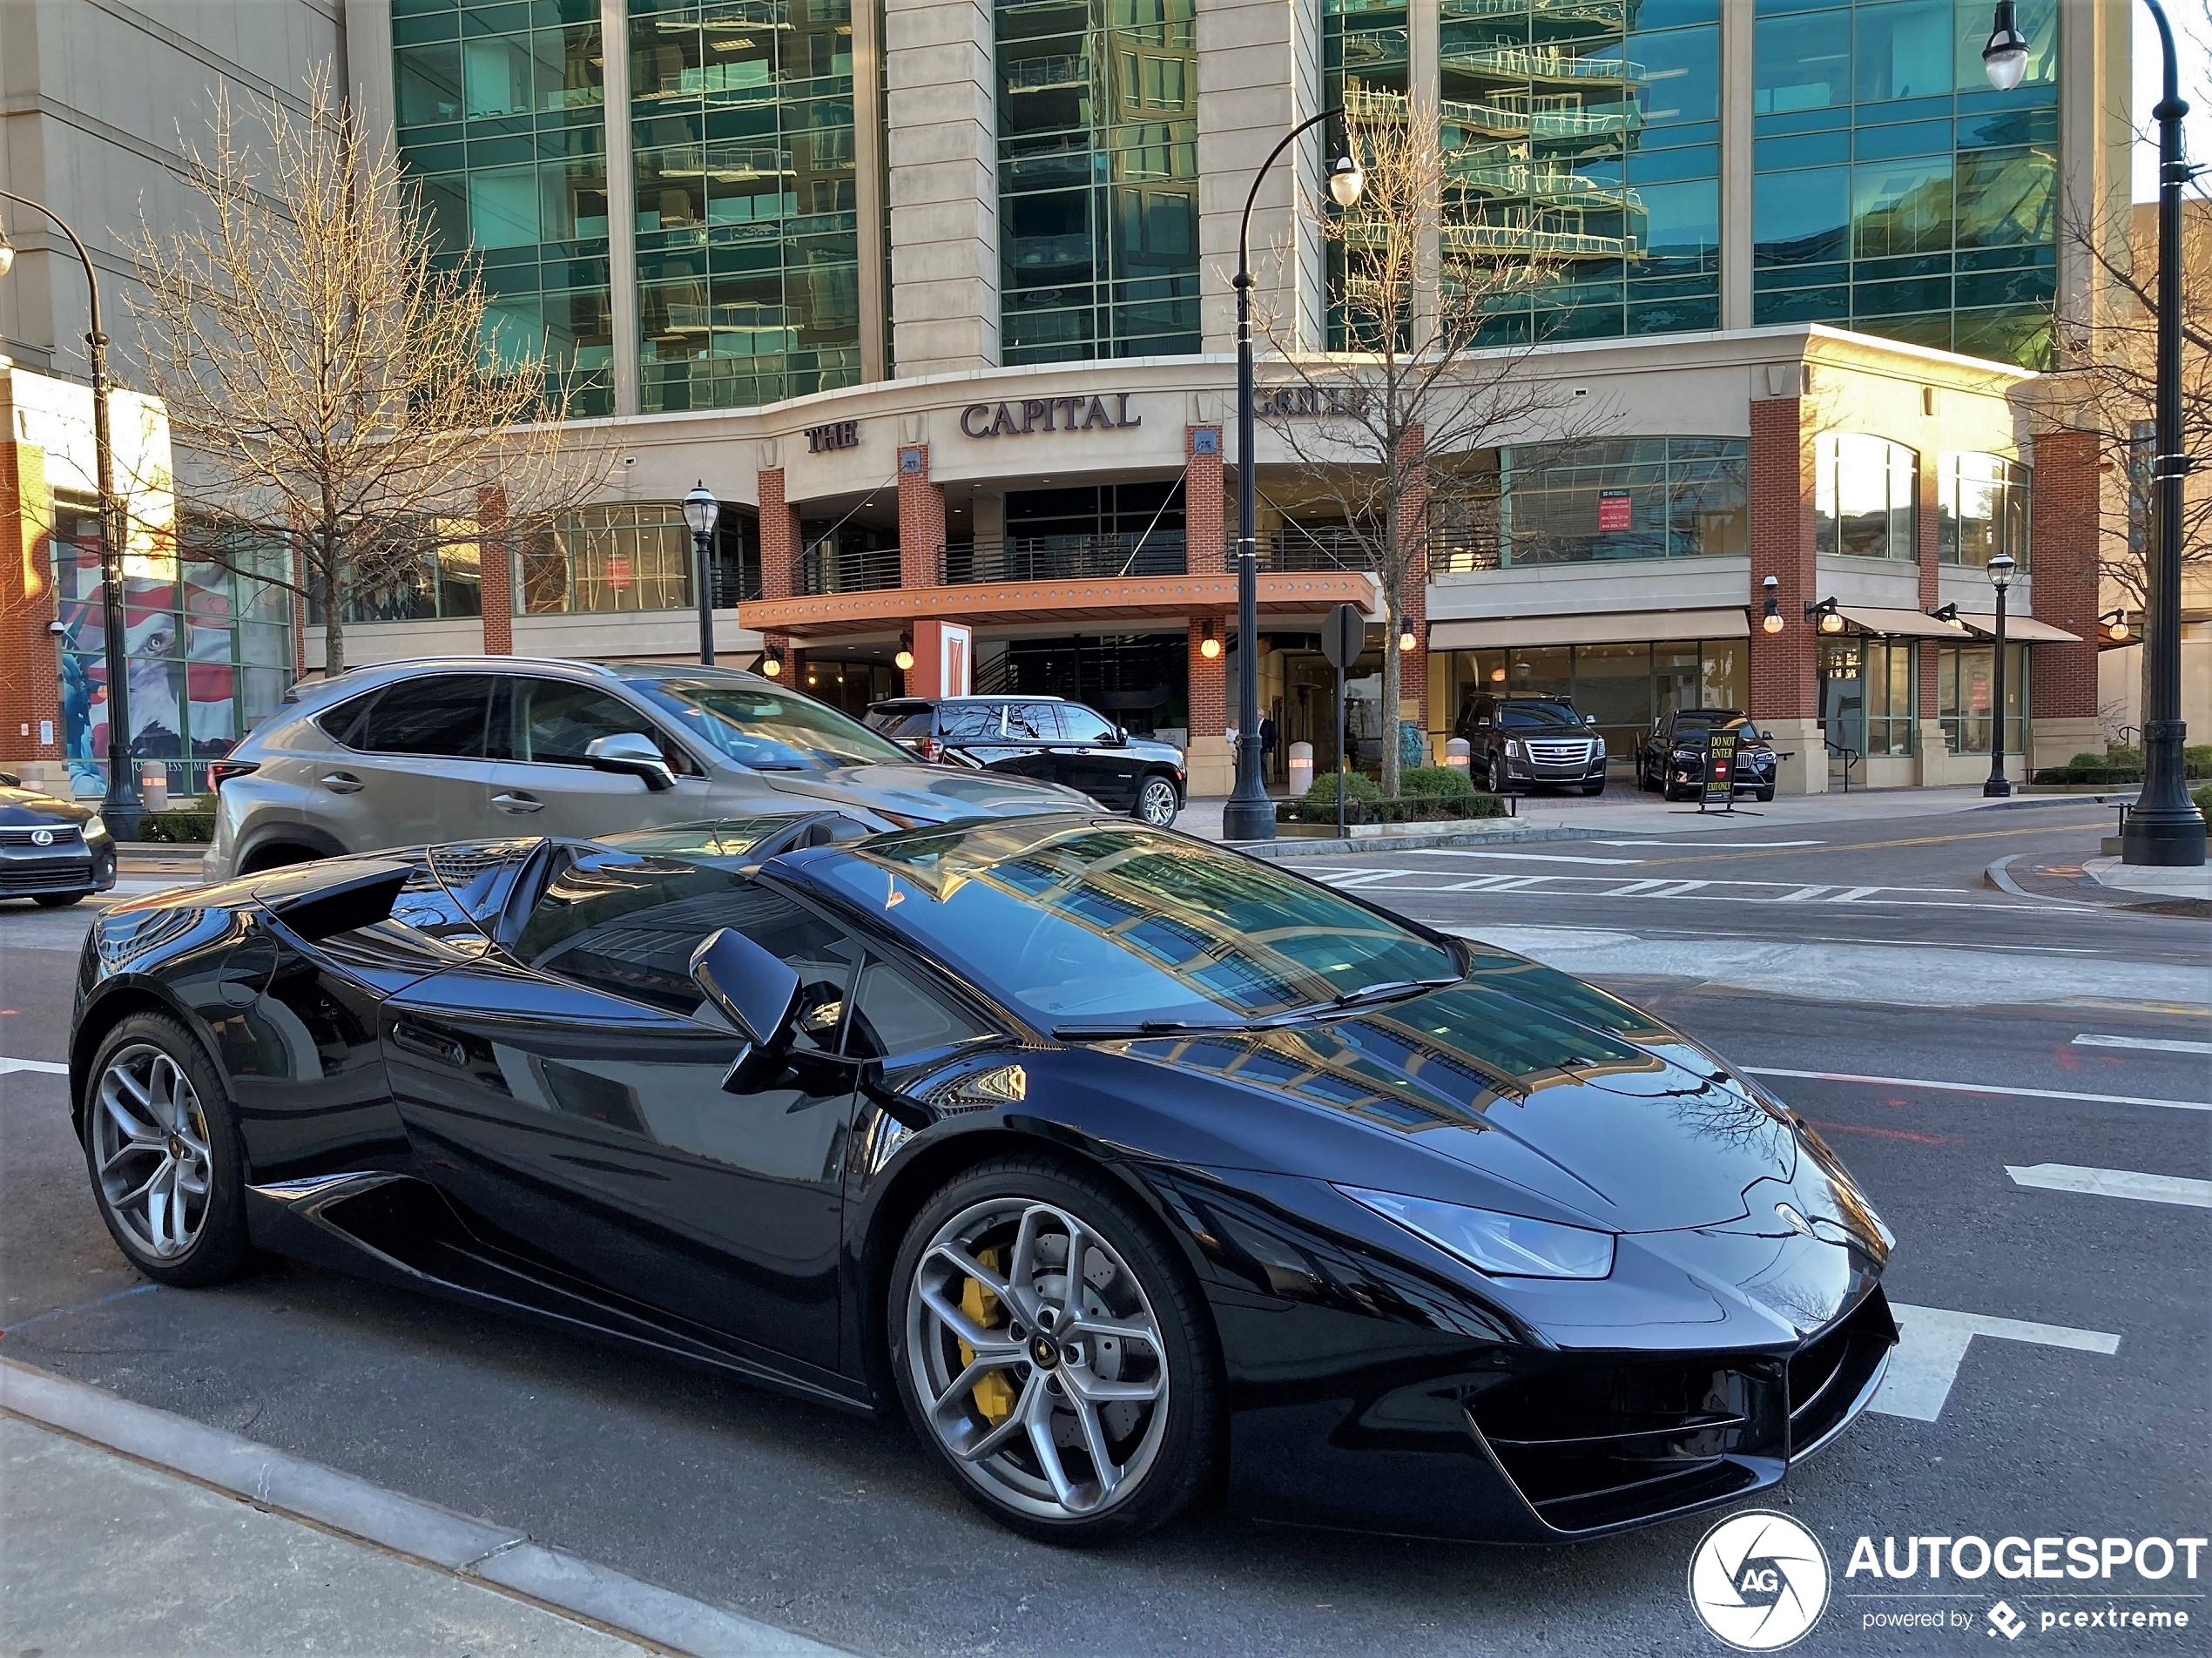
(1052, 1356)
(1766, 793)
(1156, 803)
(162, 1149)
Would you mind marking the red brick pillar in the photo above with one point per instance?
(921, 520)
(1211, 770)
(778, 537)
(2062, 560)
(1784, 695)
(497, 567)
(29, 656)
(1205, 504)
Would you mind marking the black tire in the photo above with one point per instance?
(1179, 1451)
(1500, 783)
(218, 1250)
(281, 855)
(1766, 793)
(1593, 788)
(1156, 802)
(58, 900)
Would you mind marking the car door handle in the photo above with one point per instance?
(341, 783)
(518, 802)
(430, 1044)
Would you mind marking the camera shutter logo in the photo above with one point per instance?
(1759, 1581)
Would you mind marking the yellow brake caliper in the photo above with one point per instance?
(993, 1394)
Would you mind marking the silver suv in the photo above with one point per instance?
(465, 748)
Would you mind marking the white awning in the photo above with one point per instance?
(1602, 627)
(1912, 624)
(2021, 630)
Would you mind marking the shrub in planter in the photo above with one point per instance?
(1446, 782)
(1358, 789)
(2203, 798)
(179, 826)
(2196, 760)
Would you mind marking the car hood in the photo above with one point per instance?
(925, 793)
(1531, 1082)
(30, 807)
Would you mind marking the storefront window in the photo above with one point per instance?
(1981, 505)
(1626, 686)
(1865, 497)
(1963, 694)
(1866, 696)
(636, 557)
(1624, 498)
(210, 649)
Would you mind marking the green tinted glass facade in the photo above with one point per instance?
(1365, 58)
(1098, 178)
(748, 240)
(1584, 135)
(499, 117)
(1894, 191)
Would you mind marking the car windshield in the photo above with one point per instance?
(770, 729)
(718, 838)
(1083, 924)
(1690, 722)
(1534, 717)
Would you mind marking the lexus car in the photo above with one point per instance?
(52, 851)
(1128, 1170)
(1046, 738)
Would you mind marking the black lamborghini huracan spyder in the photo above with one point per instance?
(1132, 1168)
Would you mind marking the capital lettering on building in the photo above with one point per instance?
(838, 434)
(1316, 402)
(1022, 417)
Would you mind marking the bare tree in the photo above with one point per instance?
(332, 379)
(1388, 433)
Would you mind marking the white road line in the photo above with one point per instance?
(1474, 883)
(1932, 1343)
(45, 1066)
(1369, 877)
(1525, 857)
(1694, 845)
(1803, 894)
(1636, 886)
(1851, 896)
(1679, 889)
(2149, 1044)
(2113, 1183)
(1513, 883)
(1978, 1087)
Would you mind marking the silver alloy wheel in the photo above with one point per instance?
(149, 1137)
(1156, 802)
(1049, 1389)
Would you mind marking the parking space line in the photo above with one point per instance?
(2113, 1183)
(49, 1067)
(2149, 1044)
(1978, 1087)
(1932, 1343)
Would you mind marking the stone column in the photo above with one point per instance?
(1209, 768)
(29, 656)
(778, 537)
(921, 521)
(496, 568)
(1931, 754)
(1784, 698)
(1205, 505)
(941, 87)
(2062, 555)
(1412, 592)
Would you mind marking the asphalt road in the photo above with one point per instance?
(838, 1528)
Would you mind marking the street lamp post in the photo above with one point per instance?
(119, 806)
(1249, 815)
(701, 511)
(2164, 827)
(2000, 577)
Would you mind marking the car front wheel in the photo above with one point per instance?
(1497, 775)
(55, 900)
(1051, 1355)
(1156, 803)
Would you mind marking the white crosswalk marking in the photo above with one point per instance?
(2147, 1044)
(1803, 892)
(2113, 1183)
(1522, 857)
(1932, 1343)
(1851, 896)
(46, 1066)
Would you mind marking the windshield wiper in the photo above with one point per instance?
(1144, 1027)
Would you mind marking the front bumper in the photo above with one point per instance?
(36, 872)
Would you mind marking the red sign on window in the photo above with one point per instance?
(619, 571)
(1614, 511)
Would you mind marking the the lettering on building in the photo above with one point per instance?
(1345, 402)
(838, 434)
(1048, 415)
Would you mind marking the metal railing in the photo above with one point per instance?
(1053, 558)
(826, 568)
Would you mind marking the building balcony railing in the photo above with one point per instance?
(1301, 551)
(825, 568)
(1609, 11)
(1055, 558)
(1043, 74)
(1520, 64)
(1539, 181)
(1509, 237)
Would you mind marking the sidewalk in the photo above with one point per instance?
(2104, 882)
(126, 1531)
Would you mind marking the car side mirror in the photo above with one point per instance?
(1118, 739)
(1766, 737)
(758, 993)
(1589, 719)
(632, 754)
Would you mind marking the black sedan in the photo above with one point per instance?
(1131, 1170)
(1670, 760)
(53, 850)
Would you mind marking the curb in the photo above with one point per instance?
(1305, 846)
(476, 1550)
(1998, 875)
